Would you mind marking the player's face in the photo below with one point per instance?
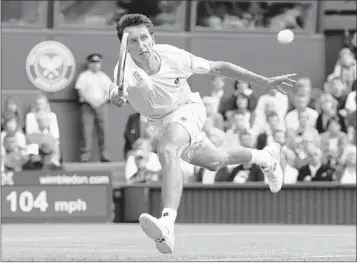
(140, 43)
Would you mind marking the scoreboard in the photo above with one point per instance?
(56, 196)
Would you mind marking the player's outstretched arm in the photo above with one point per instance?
(230, 70)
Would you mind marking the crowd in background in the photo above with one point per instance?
(213, 14)
(230, 15)
(316, 127)
(29, 143)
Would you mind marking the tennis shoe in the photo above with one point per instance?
(274, 172)
(160, 231)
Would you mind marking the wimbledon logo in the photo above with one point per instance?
(50, 66)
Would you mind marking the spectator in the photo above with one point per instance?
(303, 131)
(303, 87)
(143, 174)
(351, 126)
(316, 170)
(42, 106)
(353, 46)
(242, 106)
(3, 156)
(48, 155)
(302, 146)
(34, 161)
(333, 142)
(246, 88)
(292, 118)
(211, 109)
(217, 91)
(339, 91)
(327, 105)
(14, 156)
(280, 136)
(44, 137)
(136, 127)
(93, 88)
(246, 172)
(289, 171)
(240, 87)
(345, 68)
(152, 163)
(348, 165)
(350, 105)
(266, 137)
(12, 110)
(280, 102)
(12, 129)
(351, 129)
(237, 126)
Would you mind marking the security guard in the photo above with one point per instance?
(93, 89)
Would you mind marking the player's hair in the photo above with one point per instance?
(133, 20)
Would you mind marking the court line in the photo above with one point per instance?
(291, 258)
(302, 234)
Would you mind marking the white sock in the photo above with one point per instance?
(261, 158)
(169, 214)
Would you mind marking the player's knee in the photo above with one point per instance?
(219, 162)
(216, 165)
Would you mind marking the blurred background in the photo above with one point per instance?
(75, 131)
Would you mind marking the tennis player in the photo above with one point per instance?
(155, 84)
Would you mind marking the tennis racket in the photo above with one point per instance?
(122, 59)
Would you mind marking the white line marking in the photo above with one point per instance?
(79, 237)
(291, 258)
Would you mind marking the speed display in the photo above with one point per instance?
(51, 196)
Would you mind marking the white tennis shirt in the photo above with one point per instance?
(157, 95)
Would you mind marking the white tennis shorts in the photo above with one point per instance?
(192, 116)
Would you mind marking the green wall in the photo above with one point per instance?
(258, 52)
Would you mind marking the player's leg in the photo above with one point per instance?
(174, 140)
(210, 157)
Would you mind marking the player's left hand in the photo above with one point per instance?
(277, 82)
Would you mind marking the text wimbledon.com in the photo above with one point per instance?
(73, 180)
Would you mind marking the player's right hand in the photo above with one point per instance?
(117, 96)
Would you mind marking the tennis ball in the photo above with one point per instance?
(285, 36)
